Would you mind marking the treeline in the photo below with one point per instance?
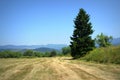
(10, 54)
(27, 53)
(31, 53)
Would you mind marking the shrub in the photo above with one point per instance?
(104, 55)
(53, 53)
(66, 50)
(38, 54)
(46, 54)
(28, 53)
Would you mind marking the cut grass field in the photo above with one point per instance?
(57, 68)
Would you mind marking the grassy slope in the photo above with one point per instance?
(57, 68)
(104, 55)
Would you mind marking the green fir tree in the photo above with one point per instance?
(81, 40)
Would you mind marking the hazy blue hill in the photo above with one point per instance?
(116, 41)
(9, 50)
(20, 47)
(44, 49)
(56, 46)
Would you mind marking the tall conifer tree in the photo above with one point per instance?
(81, 39)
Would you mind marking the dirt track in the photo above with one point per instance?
(59, 68)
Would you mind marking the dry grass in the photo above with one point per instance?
(57, 68)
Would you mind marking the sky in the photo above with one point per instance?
(41, 22)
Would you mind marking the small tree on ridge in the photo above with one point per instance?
(103, 40)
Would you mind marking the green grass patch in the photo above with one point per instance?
(104, 55)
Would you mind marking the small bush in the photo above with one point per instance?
(53, 53)
(38, 54)
(28, 53)
(66, 50)
(104, 55)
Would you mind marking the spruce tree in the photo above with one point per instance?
(81, 41)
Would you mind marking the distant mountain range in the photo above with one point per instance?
(44, 49)
(41, 48)
(116, 41)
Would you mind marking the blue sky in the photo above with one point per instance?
(39, 22)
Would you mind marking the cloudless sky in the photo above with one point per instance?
(39, 22)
